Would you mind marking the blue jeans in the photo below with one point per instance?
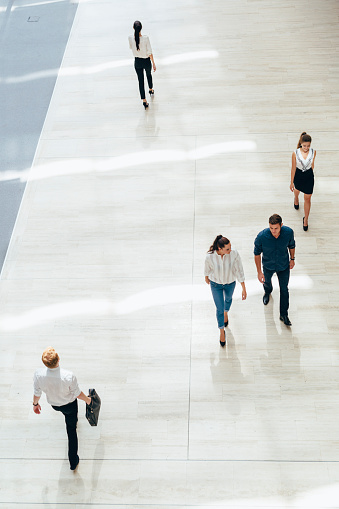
(283, 277)
(222, 296)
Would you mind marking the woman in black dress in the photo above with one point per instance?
(302, 176)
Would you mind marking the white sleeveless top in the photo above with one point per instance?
(304, 164)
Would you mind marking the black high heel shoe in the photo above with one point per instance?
(145, 104)
(296, 206)
(223, 343)
(151, 92)
(305, 227)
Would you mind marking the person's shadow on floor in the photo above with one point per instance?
(283, 350)
(226, 371)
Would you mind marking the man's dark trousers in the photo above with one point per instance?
(70, 412)
(283, 277)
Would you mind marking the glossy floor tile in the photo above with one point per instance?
(106, 264)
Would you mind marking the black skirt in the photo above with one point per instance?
(304, 181)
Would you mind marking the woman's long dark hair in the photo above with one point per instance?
(137, 29)
(218, 243)
(304, 138)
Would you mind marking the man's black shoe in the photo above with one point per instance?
(266, 298)
(286, 320)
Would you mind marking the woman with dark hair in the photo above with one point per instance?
(142, 51)
(222, 267)
(302, 176)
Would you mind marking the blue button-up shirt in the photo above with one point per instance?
(274, 251)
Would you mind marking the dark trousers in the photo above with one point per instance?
(70, 412)
(141, 64)
(283, 277)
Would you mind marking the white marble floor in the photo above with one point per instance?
(106, 264)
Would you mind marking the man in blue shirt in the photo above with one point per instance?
(277, 246)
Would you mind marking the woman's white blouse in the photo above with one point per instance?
(304, 164)
(224, 269)
(145, 49)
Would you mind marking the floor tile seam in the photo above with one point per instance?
(221, 154)
(191, 302)
(127, 505)
(216, 136)
(187, 135)
(181, 135)
(176, 460)
(329, 275)
(210, 134)
(72, 278)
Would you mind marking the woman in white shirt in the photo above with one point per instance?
(302, 176)
(222, 267)
(142, 51)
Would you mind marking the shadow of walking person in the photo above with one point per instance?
(283, 351)
(226, 371)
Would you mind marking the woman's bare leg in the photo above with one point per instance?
(296, 197)
(307, 207)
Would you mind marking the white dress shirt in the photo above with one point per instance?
(61, 386)
(145, 49)
(224, 269)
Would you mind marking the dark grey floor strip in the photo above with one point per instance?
(33, 40)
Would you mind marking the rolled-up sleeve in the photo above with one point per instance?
(258, 245)
(74, 387)
(36, 386)
(148, 47)
(291, 244)
(238, 269)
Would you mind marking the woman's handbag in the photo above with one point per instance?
(92, 410)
